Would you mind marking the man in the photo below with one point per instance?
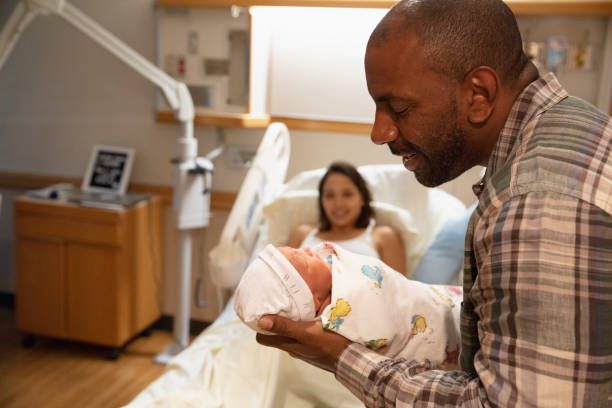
(453, 89)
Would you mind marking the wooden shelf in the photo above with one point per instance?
(530, 7)
(298, 3)
(325, 125)
(230, 120)
(260, 122)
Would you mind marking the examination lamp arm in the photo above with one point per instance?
(21, 17)
(176, 93)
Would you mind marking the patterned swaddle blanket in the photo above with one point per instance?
(376, 306)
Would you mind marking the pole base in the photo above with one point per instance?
(168, 353)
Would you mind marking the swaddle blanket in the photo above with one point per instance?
(378, 307)
(371, 303)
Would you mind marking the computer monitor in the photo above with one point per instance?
(108, 170)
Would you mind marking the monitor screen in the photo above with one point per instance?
(108, 170)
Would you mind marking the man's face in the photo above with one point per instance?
(416, 112)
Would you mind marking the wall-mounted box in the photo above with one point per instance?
(208, 49)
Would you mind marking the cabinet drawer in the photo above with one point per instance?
(40, 226)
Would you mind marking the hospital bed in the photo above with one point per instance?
(224, 366)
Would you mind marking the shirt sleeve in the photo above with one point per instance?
(540, 303)
(382, 382)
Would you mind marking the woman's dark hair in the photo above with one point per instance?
(351, 172)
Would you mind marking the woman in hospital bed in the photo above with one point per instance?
(345, 217)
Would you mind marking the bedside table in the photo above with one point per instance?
(87, 274)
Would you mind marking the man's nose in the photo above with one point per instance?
(383, 130)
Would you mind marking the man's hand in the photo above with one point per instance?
(304, 340)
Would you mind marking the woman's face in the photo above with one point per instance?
(341, 201)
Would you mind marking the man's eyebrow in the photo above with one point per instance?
(383, 98)
(390, 97)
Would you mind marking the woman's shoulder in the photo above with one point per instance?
(297, 235)
(389, 245)
(384, 232)
(386, 239)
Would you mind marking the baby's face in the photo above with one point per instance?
(315, 272)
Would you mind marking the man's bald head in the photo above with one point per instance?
(458, 35)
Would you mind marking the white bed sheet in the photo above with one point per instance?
(225, 367)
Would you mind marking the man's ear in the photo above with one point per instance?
(481, 90)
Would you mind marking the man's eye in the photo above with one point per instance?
(399, 110)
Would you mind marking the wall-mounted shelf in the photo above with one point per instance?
(549, 7)
(229, 120)
(238, 120)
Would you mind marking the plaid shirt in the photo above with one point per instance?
(536, 316)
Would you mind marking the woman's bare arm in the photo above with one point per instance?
(390, 247)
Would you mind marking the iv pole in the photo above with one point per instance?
(192, 176)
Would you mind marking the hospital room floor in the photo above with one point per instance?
(56, 373)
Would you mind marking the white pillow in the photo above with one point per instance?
(388, 183)
(295, 208)
(290, 210)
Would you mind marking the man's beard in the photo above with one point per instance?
(445, 158)
(446, 162)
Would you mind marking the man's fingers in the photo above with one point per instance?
(278, 325)
(305, 340)
(274, 340)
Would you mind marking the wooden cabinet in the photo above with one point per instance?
(87, 274)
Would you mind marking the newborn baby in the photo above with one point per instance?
(357, 296)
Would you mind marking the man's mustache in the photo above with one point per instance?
(403, 148)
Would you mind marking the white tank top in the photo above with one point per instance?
(361, 244)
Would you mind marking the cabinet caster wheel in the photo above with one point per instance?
(28, 341)
(113, 353)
